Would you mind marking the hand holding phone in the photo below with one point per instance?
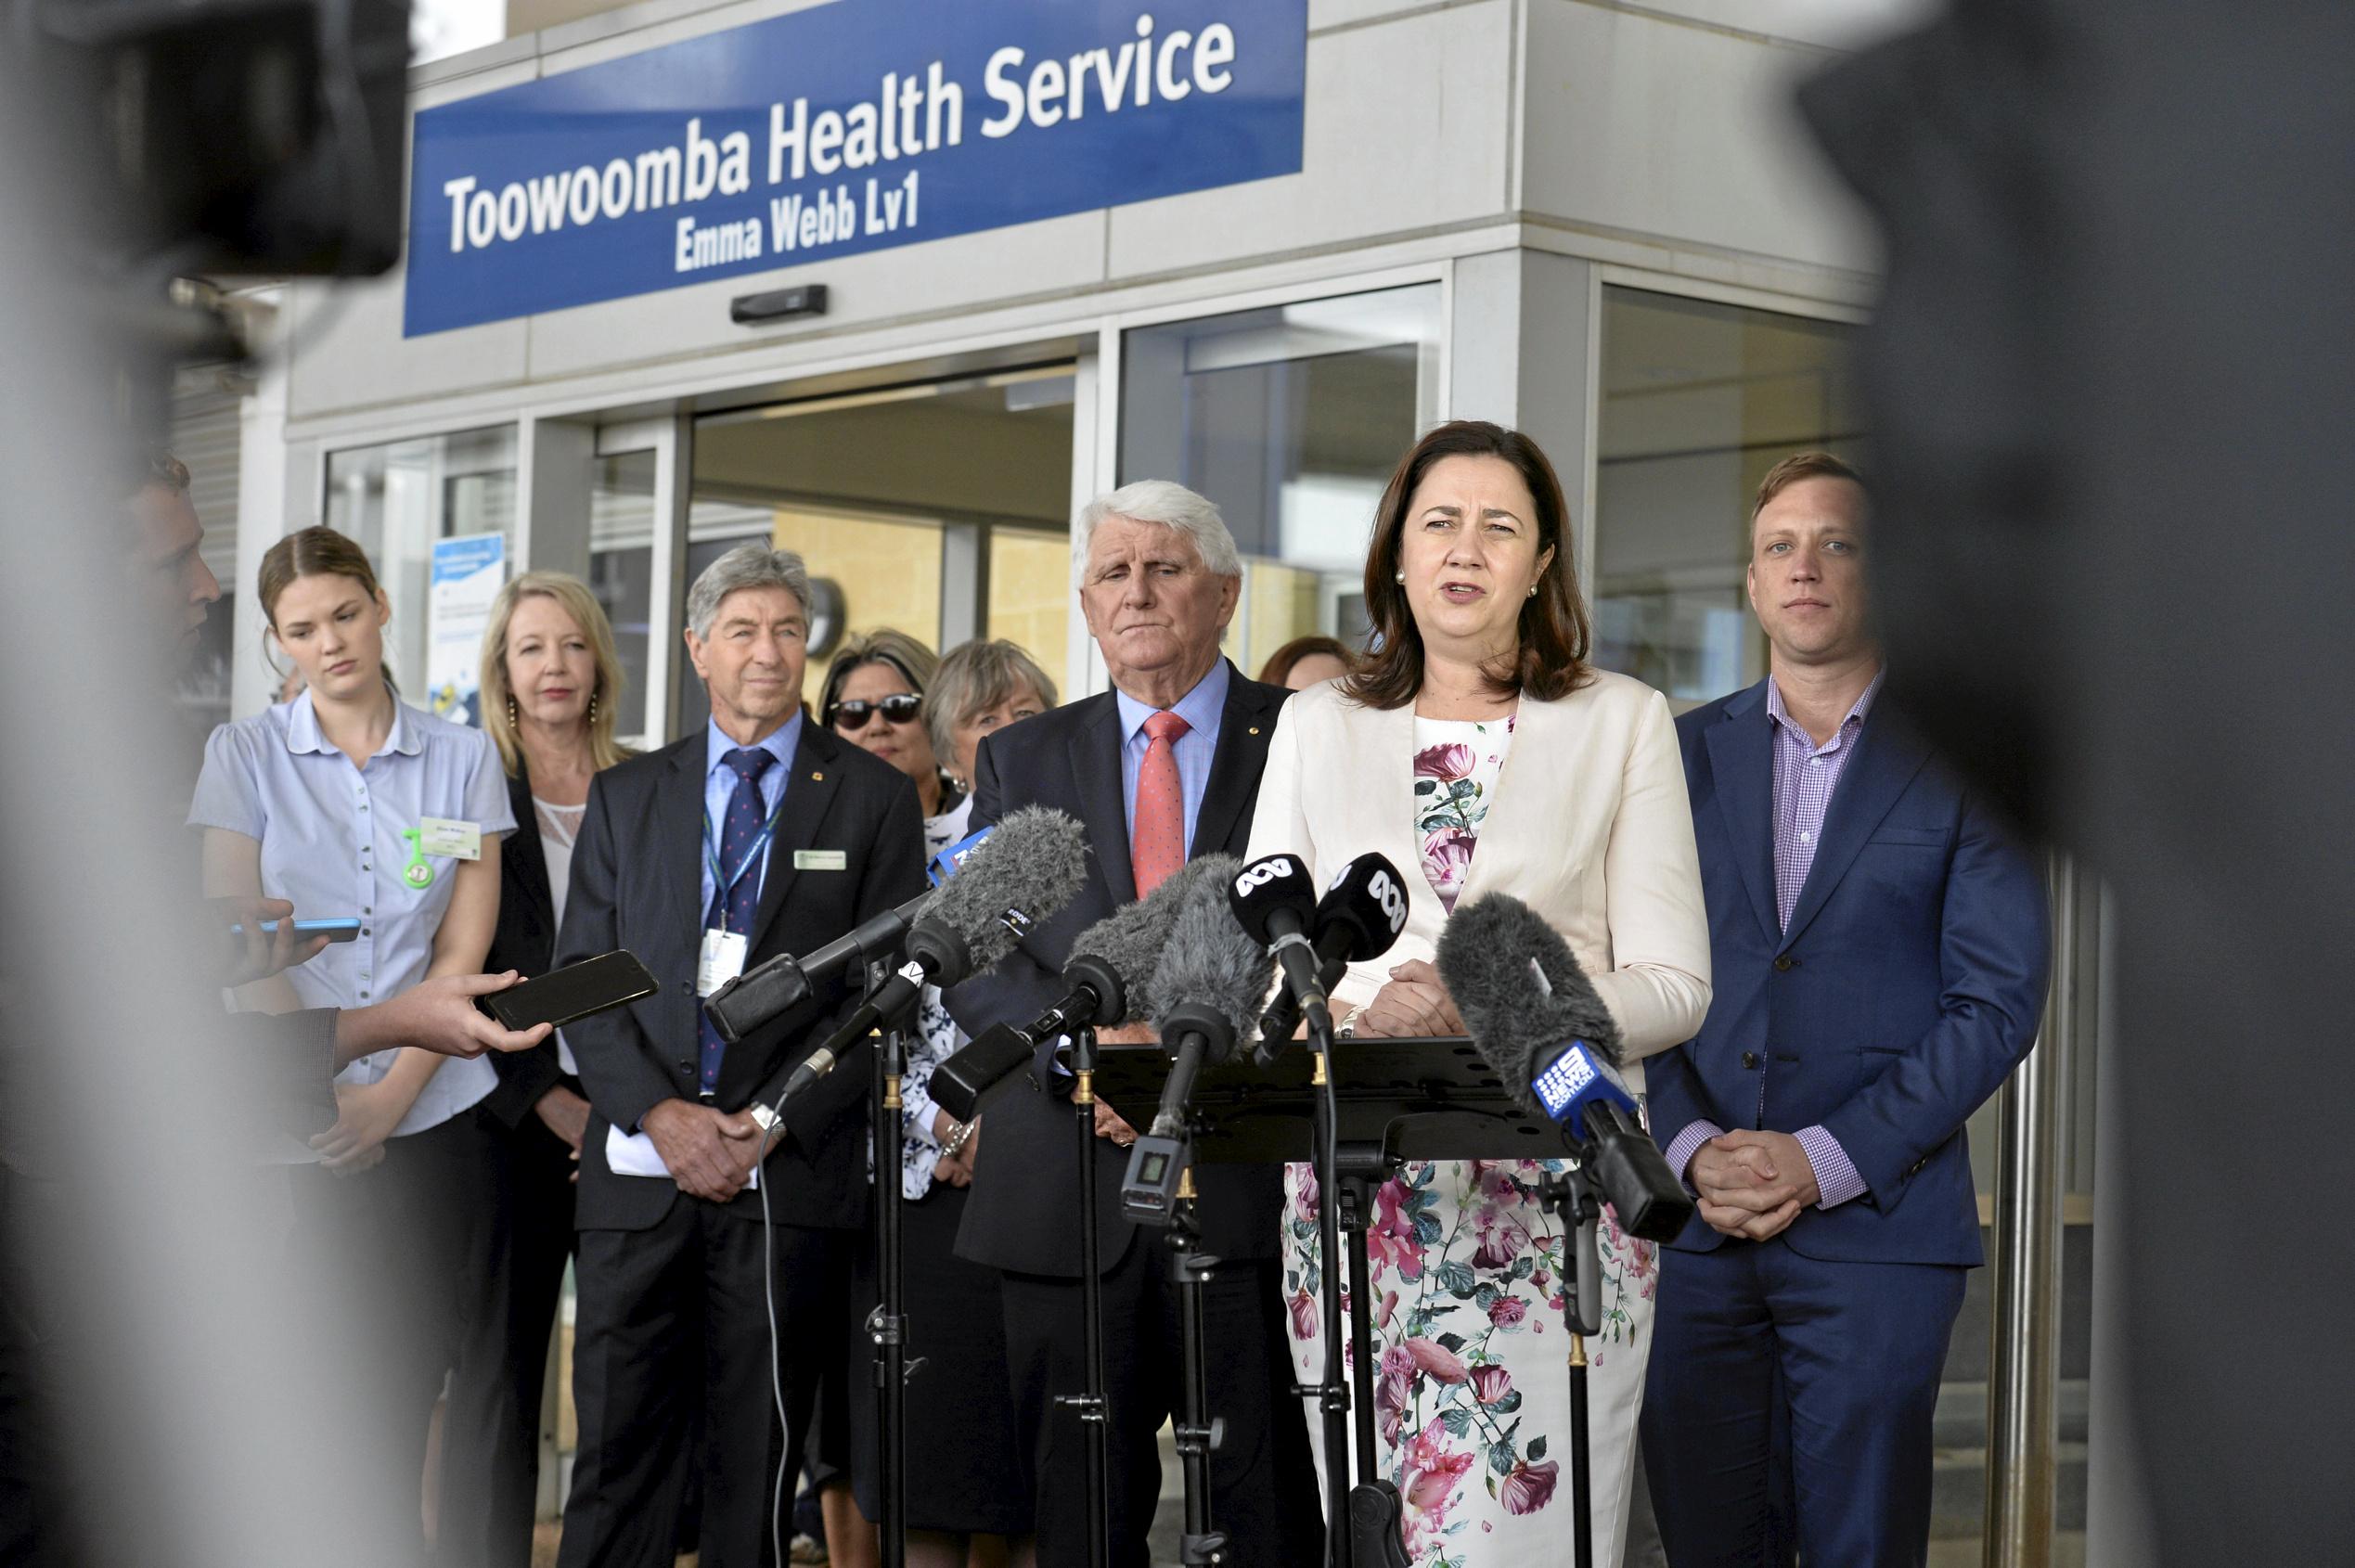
(611, 980)
(263, 941)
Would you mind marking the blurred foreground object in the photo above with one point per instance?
(230, 136)
(168, 1388)
(2111, 381)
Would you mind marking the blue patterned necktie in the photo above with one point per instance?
(732, 907)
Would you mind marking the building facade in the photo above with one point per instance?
(1599, 222)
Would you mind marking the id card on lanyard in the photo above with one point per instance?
(724, 951)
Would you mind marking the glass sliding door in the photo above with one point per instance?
(1290, 418)
(940, 508)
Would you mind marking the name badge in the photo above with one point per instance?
(444, 835)
(820, 860)
(721, 960)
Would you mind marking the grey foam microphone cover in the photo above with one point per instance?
(1033, 864)
(1211, 961)
(1131, 939)
(1484, 951)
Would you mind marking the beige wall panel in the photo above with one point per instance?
(1030, 600)
(1659, 127)
(889, 575)
(348, 352)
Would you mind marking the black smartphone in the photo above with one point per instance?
(611, 980)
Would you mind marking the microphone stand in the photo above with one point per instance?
(1196, 1431)
(1090, 1404)
(1370, 1533)
(1344, 1515)
(1574, 1200)
(887, 1325)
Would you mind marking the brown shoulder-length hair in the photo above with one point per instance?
(1551, 660)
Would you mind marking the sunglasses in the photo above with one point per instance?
(853, 715)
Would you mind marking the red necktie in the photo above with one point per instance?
(1157, 824)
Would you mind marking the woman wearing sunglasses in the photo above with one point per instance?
(961, 1431)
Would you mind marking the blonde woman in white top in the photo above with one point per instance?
(1474, 745)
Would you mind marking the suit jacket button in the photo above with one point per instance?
(686, 1064)
(1783, 961)
(1749, 1059)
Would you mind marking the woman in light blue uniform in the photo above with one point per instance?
(349, 802)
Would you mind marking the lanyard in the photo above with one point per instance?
(721, 883)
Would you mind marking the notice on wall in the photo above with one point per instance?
(849, 126)
(468, 572)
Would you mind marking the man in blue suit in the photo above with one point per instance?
(1878, 949)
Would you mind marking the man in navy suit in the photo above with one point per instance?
(1878, 949)
(1159, 578)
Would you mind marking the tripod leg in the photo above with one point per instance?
(1581, 1460)
(1203, 1546)
(1376, 1511)
(890, 1326)
(1090, 1404)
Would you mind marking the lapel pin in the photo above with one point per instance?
(817, 779)
(1254, 729)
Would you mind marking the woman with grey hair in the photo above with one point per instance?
(981, 687)
(878, 696)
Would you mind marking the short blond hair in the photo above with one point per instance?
(575, 597)
(1799, 467)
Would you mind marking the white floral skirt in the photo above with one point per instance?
(1472, 1385)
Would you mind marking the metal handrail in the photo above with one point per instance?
(2025, 1363)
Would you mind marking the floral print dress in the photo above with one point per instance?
(1471, 1395)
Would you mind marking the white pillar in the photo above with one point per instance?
(261, 518)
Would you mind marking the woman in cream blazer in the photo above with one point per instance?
(1478, 752)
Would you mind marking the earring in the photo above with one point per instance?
(1533, 590)
(592, 713)
(1401, 576)
(511, 711)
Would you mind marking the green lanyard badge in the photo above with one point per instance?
(417, 873)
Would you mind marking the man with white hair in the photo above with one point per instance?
(1162, 768)
(759, 834)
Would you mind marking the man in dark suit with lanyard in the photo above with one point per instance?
(761, 835)
(1878, 948)
(1162, 768)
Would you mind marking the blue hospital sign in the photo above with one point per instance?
(850, 127)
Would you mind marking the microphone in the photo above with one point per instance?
(1031, 866)
(1205, 993)
(781, 984)
(1274, 900)
(1358, 920)
(760, 993)
(1109, 970)
(948, 861)
(1536, 1022)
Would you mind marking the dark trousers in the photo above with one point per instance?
(408, 1230)
(1262, 1483)
(673, 1320)
(1789, 1395)
(491, 1430)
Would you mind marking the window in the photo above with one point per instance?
(397, 500)
(923, 507)
(1290, 418)
(1699, 400)
(621, 571)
